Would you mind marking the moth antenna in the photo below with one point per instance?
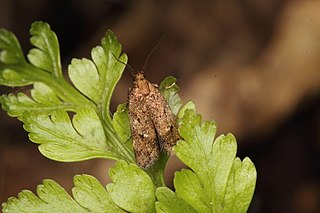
(127, 65)
(153, 51)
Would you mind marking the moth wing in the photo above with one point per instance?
(163, 118)
(144, 136)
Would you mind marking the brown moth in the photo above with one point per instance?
(153, 124)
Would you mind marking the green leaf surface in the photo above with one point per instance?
(68, 140)
(169, 89)
(196, 150)
(132, 189)
(43, 100)
(13, 77)
(121, 124)
(240, 186)
(12, 61)
(44, 67)
(67, 125)
(46, 55)
(112, 48)
(189, 187)
(85, 77)
(97, 79)
(88, 196)
(89, 193)
(188, 106)
(210, 186)
(51, 197)
(168, 202)
(11, 52)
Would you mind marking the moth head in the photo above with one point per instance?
(139, 76)
(141, 83)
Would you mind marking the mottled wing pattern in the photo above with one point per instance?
(150, 116)
(145, 144)
(163, 118)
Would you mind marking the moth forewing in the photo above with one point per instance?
(145, 144)
(150, 116)
(163, 119)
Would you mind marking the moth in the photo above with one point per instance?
(153, 125)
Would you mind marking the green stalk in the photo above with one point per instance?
(156, 172)
(60, 86)
(121, 148)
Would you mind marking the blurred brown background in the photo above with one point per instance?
(252, 66)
